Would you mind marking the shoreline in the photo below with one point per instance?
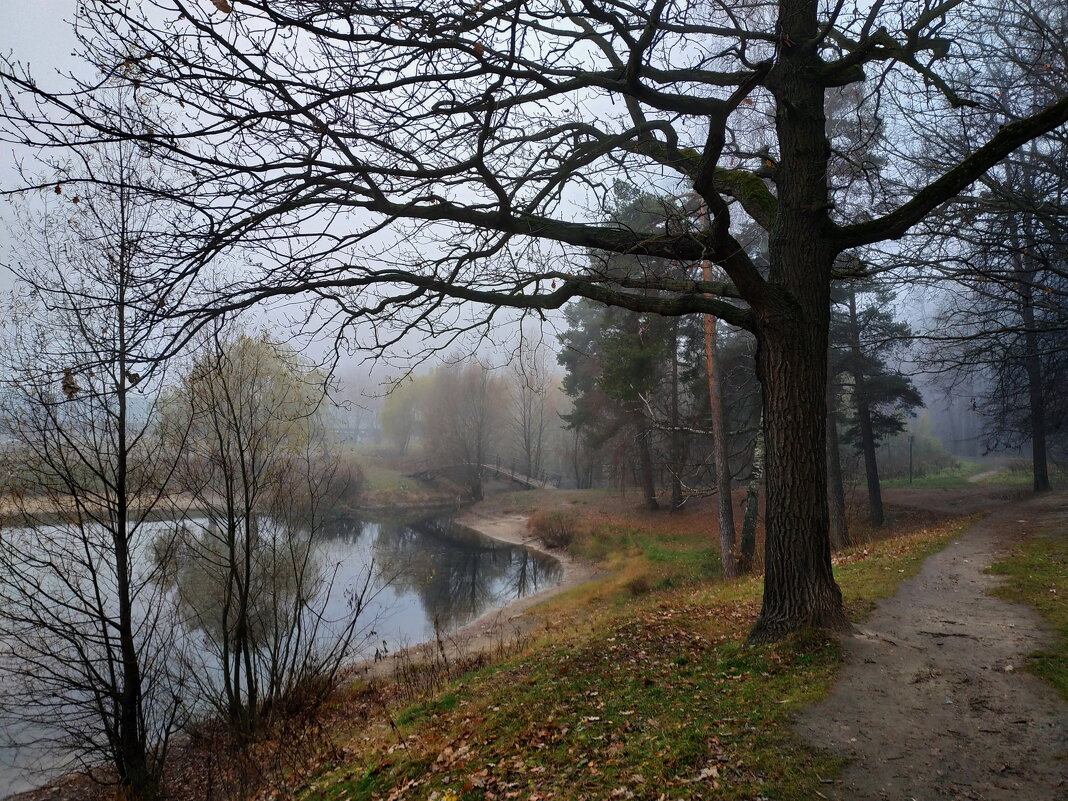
(512, 529)
(491, 627)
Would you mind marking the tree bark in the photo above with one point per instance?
(792, 318)
(1037, 402)
(839, 524)
(752, 499)
(799, 587)
(1033, 365)
(676, 435)
(645, 464)
(136, 770)
(720, 445)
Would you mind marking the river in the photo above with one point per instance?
(431, 576)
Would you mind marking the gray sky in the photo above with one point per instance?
(36, 31)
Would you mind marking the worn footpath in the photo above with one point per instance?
(933, 702)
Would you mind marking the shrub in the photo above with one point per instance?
(554, 529)
(639, 585)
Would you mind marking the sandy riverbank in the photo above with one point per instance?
(512, 528)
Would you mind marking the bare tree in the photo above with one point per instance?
(392, 161)
(86, 625)
(261, 480)
(530, 383)
(464, 413)
(399, 415)
(1005, 324)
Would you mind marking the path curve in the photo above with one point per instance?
(984, 475)
(933, 702)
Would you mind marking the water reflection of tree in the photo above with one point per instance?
(280, 566)
(345, 530)
(456, 573)
(258, 468)
(532, 573)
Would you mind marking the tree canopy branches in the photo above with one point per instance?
(392, 160)
(338, 122)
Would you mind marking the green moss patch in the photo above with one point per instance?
(1037, 574)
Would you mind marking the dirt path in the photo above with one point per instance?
(933, 702)
(984, 475)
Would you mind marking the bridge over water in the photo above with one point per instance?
(487, 470)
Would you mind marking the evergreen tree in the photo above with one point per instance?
(864, 336)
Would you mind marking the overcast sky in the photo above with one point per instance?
(34, 32)
(38, 33)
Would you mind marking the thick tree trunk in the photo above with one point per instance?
(864, 424)
(792, 318)
(799, 587)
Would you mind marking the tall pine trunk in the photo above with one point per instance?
(676, 435)
(1036, 402)
(752, 503)
(645, 463)
(839, 523)
(864, 421)
(1036, 396)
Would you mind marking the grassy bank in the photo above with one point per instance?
(1036, 573)
(637, 685)
(386, 483)
(947, 478)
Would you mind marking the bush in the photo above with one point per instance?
(639, 585)
(554, 529)
(349, 482)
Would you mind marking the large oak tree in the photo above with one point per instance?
(391, 161)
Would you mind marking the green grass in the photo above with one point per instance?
(380, 478)
(673, 557)
(417, 712)
(947, 478)
(1020, 474)
(1015, 473)
(657, 702)
(386, 485)
(1037, 574)
(653, 696)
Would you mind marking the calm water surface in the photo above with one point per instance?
(432, 576)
